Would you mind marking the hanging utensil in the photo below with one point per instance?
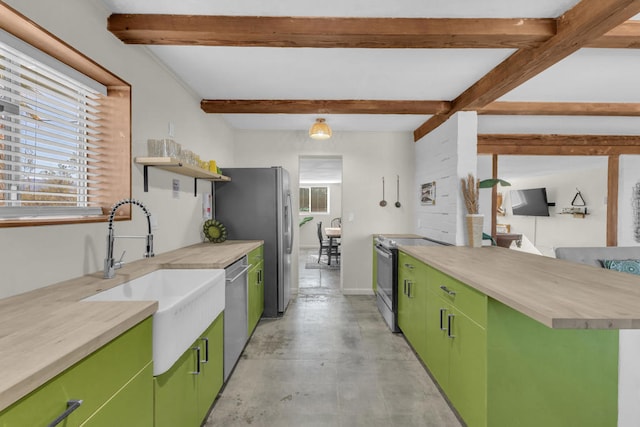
(383, 202)
(398, 191)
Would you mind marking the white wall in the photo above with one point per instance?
(366, 158)
(308, 233)
(444, 156)
(33, 257)
(629, 177)
(547, 233)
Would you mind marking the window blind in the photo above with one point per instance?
(49, 139)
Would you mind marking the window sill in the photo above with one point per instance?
(31, 222)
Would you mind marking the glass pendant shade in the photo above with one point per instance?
(320, 130)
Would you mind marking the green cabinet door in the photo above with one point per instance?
(260, 299)
(405, 276)
(467, 385)
(437, 355)
(457, 358)
(412, 301)
(210, 380)
(175, 397)
(255, 292)
(252, 297)
(131, 406)
(184, 394)
(255, 296)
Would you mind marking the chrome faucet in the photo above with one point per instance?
(111, 265)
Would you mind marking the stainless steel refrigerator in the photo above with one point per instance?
(256, 205)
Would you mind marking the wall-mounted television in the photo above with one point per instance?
(530, 202)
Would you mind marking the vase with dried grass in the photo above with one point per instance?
(470, 193)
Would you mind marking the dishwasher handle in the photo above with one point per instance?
(244, 270)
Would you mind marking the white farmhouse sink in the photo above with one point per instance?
(188, 301)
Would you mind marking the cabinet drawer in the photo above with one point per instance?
(256, 255)
(93, 380)
(408, 266)
(464, 298)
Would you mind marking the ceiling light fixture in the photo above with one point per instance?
(320, 130)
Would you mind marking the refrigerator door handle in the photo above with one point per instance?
(288, 213)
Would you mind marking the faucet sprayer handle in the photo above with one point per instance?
(119, 263)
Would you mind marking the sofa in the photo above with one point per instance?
(592, 256)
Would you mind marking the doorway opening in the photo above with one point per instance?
(320, 222)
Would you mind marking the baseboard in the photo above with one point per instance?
(355, 291)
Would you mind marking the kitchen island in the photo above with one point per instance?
(520, 339)
(46, 331)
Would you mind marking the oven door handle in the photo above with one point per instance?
(383, 253)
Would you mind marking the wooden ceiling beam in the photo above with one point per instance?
(624, 36)
(329, 32)
(505, 108)
(558, 145)
(304, 106)
(585, 22)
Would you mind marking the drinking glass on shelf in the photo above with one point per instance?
(152, 147)
(173, 148)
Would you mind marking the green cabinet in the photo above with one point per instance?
(457, 353)
(184, 394)
(115, 378)
(497, 366)
(412, 300)
(211, 375)
(255, 293)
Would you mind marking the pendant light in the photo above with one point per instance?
(320, 130)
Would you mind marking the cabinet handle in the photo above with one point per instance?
(197, 371)
(72, 405)
(206, 349)
(442, 311)
(450, 325)
(409, 266)
(448, 291)
(405, 286)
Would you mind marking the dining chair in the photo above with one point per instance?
(325, 247)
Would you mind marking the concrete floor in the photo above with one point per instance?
(330, 361)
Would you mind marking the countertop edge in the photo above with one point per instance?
(537, 310)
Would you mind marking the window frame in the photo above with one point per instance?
(309, 212)
(116, 118)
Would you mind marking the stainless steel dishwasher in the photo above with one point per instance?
(235, 313)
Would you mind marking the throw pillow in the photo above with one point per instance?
(625, 265)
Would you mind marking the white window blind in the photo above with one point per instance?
(49, 139)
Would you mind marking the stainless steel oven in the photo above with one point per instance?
(387, 283)
(387, 274)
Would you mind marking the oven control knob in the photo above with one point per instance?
(392, 243)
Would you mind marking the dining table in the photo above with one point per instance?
(332, 233)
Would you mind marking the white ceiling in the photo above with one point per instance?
(352, 8)
(596, 75)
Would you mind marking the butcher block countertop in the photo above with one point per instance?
(558, 293)
(45, 331)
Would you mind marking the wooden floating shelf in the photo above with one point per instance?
(174, 165)
(177, 166)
